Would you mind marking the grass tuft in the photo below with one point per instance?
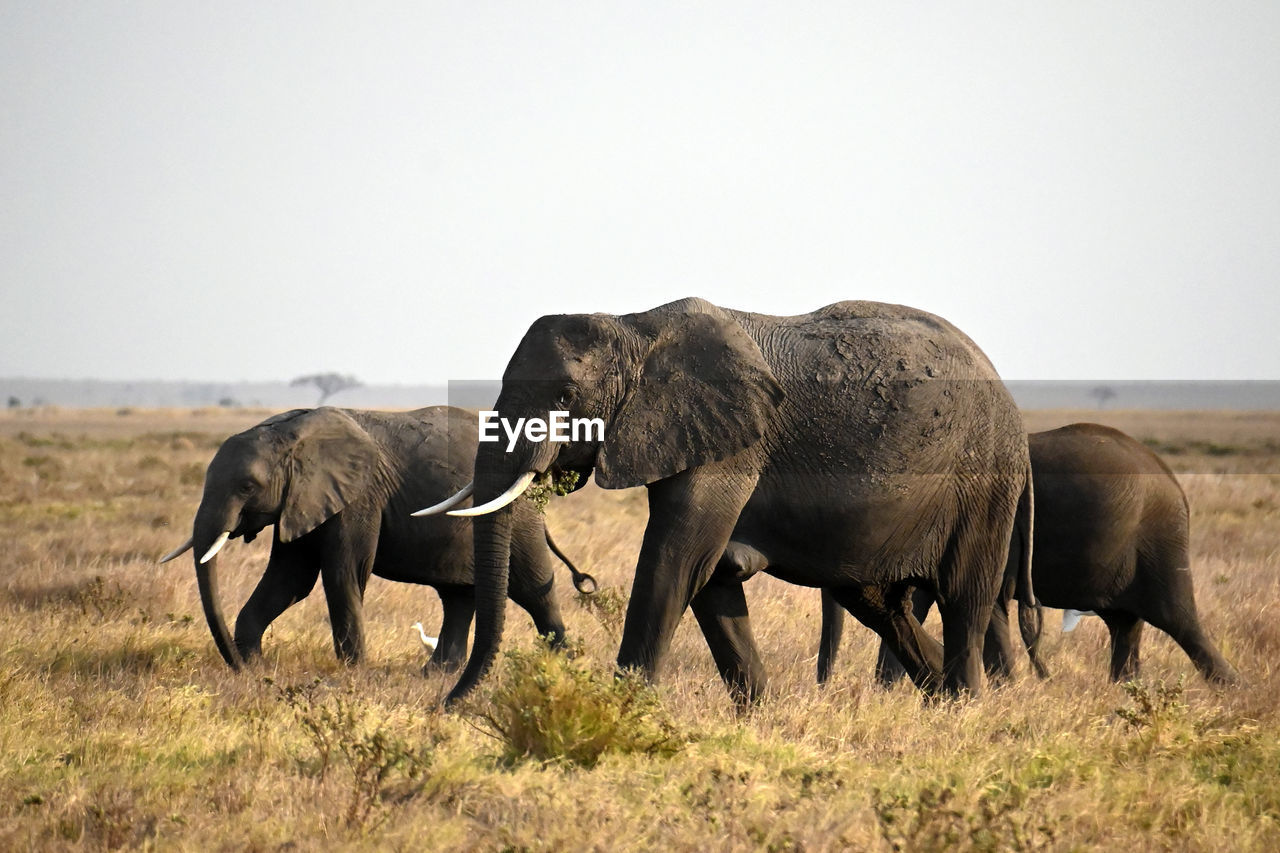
(345, 733)
(553, 707)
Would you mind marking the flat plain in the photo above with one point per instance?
(121, 728)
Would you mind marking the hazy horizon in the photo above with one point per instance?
(397, 191)
(1100, 396)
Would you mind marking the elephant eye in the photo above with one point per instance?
(247, 487)
(567, 395)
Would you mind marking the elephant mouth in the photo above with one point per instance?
(251, 524)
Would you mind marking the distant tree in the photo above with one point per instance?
(228, 402)
(328, 383)
(14, 402)
(1103, 394)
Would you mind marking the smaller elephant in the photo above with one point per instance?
(339, 486)
(1111, 535)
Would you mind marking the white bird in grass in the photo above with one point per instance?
(429, 642)
(1071, 618)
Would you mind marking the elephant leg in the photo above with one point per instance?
(997, 646)
(290, 576)
(1204, 654)
(345, 571)
(887, 610)
(1177, 617)
(832, 632)
(889, 670)
(721, 610)
(691, 517)
(1126, 638)
(459, 604)
(532, 580)
(970, 575)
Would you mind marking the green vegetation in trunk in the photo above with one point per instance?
(545, 487)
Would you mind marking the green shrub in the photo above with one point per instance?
(549, 706)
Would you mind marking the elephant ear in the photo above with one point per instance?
(704, 393)
(330, 464)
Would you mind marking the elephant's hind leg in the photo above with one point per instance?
(1177, 617)
(832, 632)
(969, 577)
(1126, 640)
(997, 648)
(888, 610)
(721, 610)
(889, 670)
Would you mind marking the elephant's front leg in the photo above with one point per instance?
(290, 576)
(691, 517)
(721, 610)
(459, 605)
(532, 582)
(348, 562)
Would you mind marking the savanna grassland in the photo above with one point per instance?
(120, 727)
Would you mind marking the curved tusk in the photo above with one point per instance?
(179, 551)
(215, 547)
(448, 503)
(516, 490)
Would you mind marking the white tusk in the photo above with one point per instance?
(448, 503)
(179, 551)
(516, 490)
(215, 547)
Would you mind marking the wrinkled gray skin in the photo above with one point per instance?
(1111, 535)
(339, 485)
(863, 447)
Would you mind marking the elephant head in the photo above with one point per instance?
(294, 470)
(677, 387)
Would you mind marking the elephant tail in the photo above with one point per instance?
(1024, 527)
(582, 582)
(1030, 614)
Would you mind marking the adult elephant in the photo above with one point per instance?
(339, 485)
(1112, 535)
(863, 447)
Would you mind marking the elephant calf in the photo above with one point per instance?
(339, 485)
(1111, 535)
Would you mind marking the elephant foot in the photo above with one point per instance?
(250, 654)
(1224, 677)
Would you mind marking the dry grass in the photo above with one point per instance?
(120, 727)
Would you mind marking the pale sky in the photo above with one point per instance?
(256, 190)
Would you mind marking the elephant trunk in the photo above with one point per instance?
(495, 473)
(492, 567)
(208, 532)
